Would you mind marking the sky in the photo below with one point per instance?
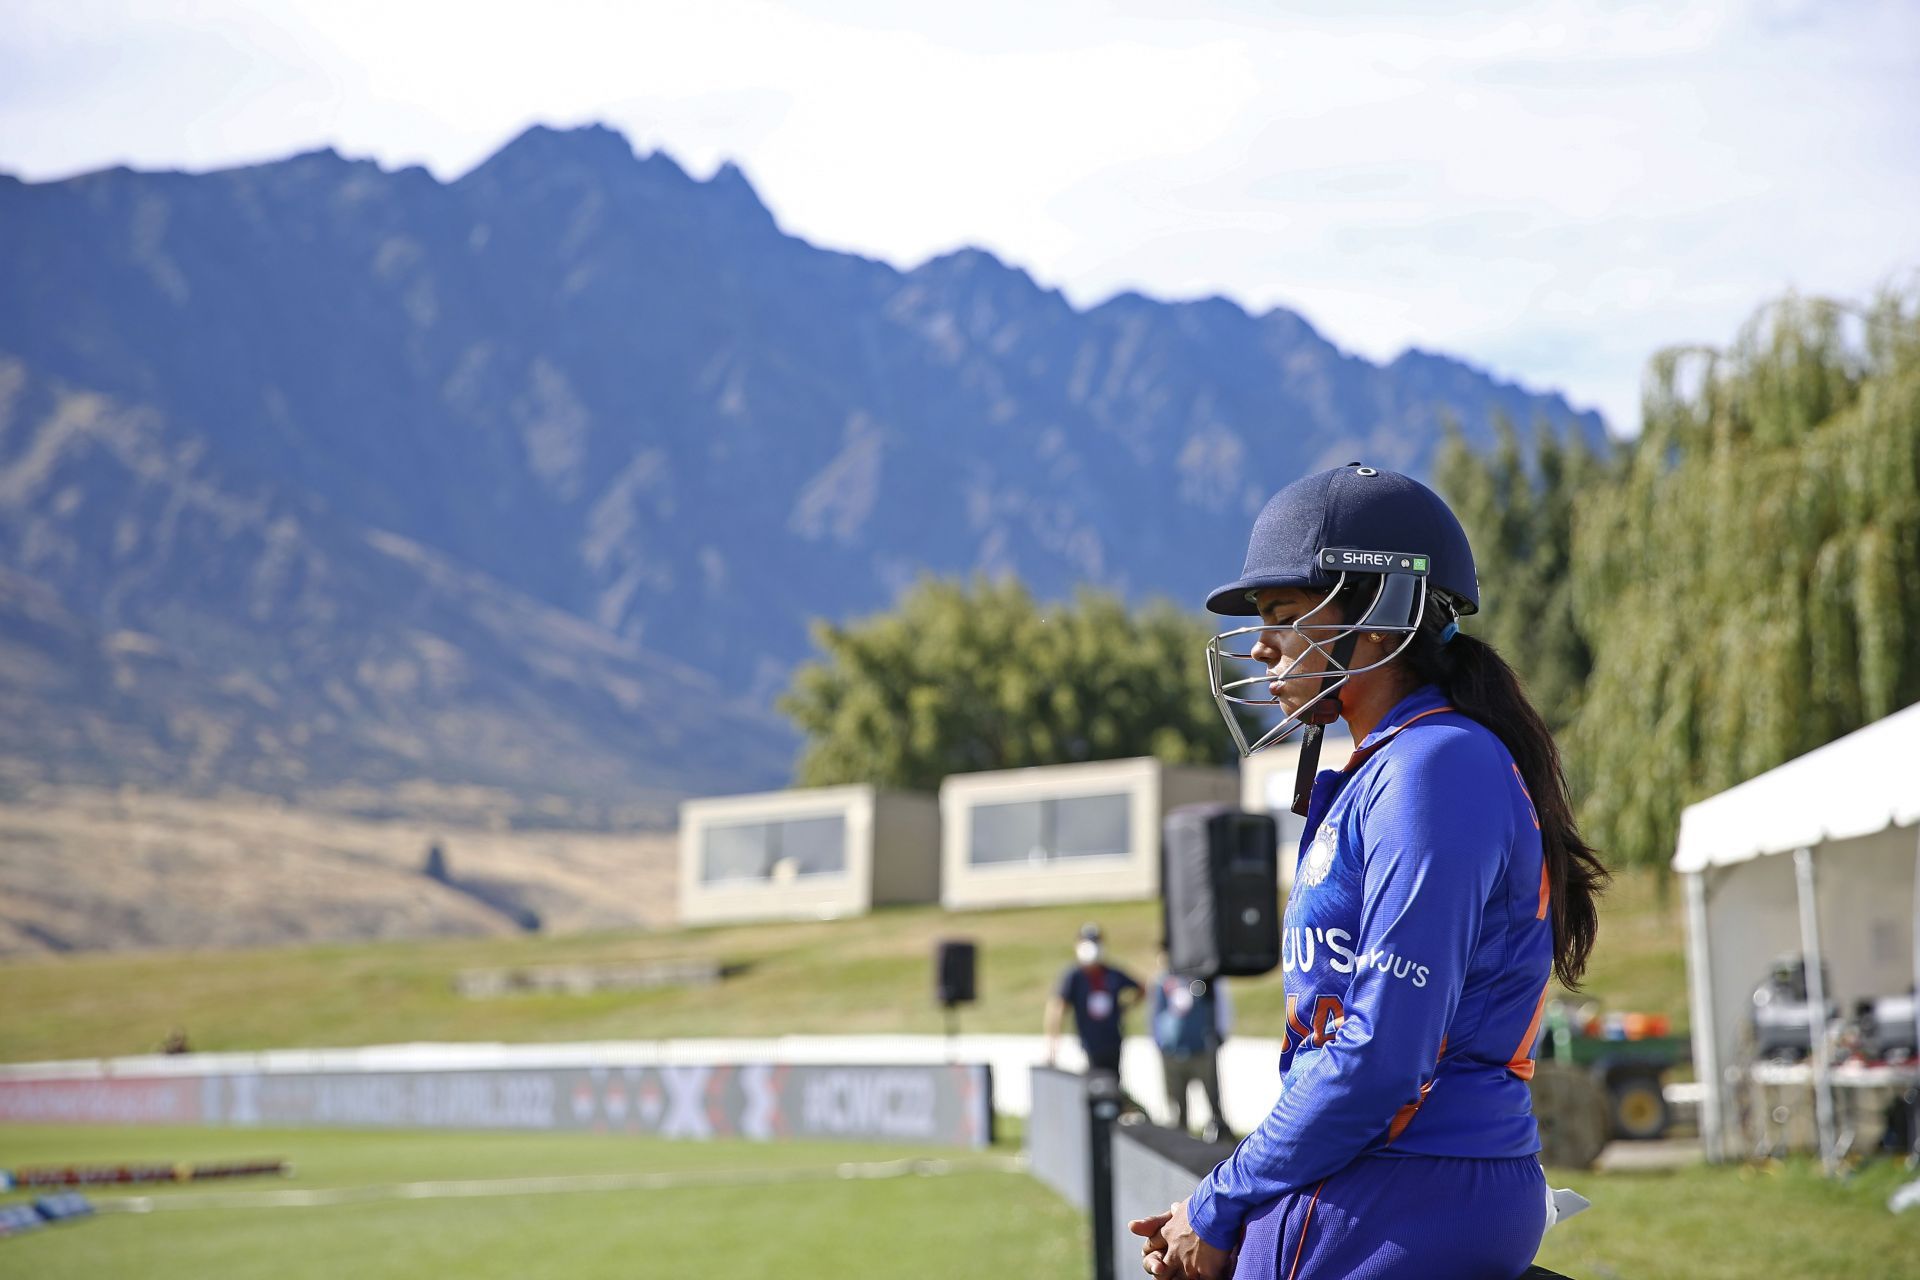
(1550, 190)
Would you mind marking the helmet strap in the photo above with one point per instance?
(1319, 716)
(1309, 767)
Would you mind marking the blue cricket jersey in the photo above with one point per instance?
(1417, 951)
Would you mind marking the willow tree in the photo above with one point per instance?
(962, 676)
(1517, 507)
(1748, 580)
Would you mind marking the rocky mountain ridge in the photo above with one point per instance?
(323, 479)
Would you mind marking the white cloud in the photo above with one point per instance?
(1554, 189)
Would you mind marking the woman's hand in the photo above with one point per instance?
(1172, 1251)
(1153, 1251)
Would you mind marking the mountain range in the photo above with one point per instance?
(349, 485)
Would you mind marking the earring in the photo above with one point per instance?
(1376, 637)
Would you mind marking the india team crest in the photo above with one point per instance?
(1319, 859)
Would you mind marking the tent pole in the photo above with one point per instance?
(1706, 1018)
(1816, 1004)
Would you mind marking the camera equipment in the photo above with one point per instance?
(1887, 1031)
(1782, 1016)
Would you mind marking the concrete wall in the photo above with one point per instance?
(1152, 1168)
(848, 892)
(1194, 784)
(1151, 789)
(1057, 1133)
(891, 855)
(906, 848)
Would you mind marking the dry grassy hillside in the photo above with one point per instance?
(86, 869)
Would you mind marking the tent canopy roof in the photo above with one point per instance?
(1854, 786)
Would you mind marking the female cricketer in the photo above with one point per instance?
(1440, 886)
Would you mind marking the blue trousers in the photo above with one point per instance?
(1402, 1218)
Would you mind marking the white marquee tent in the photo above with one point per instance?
(1849, 816)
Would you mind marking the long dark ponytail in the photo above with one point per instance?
(1479, 683)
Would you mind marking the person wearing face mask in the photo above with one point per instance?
(1099, 996)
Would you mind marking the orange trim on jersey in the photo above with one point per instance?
(1533, 810)
(1404, 1116)
(1521, 1064)
(1300, 1249)
(1359, 757)
(1430, 711)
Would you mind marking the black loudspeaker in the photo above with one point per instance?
(1220, 891)
(953, 972)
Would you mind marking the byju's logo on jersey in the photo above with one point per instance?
(1319, 859)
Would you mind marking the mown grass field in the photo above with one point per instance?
(733, 1209)
(730, 1209)
(865, 975)
(1707, 1222)
(717, 1210)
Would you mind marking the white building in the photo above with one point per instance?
(1266, 786)
(811, 853)
(1064, 833)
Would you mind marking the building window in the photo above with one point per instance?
(1041, 831)
(784, 849)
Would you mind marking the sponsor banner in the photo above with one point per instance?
(930, 1104)
(116, 1100)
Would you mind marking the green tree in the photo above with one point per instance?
(1748, 577)
(1517, 507)
(960, 677)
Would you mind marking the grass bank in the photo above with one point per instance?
(872, 974)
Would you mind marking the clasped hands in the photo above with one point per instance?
(1172, 1251)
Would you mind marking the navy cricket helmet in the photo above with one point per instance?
(1383, 538)
(1301, 533)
